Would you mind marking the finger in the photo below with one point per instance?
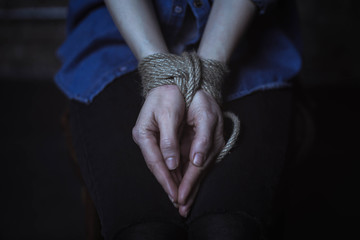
(206, 144)
(169, 143)
(218, 140)
(176, 175)
(190, 180)
(185, 142)
(192, 177)
(155, 163)
(203, 139)
(185, 209)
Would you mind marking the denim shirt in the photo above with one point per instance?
(94, 53)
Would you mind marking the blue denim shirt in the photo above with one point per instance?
(94, 53)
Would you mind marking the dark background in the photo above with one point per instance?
(41, 196)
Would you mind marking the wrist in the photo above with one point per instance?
(151, 50)
(205, 53)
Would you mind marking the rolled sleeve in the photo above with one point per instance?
(262, 5)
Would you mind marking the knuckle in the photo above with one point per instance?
(139, 134)
(169, 115)
(135, 133)
(167, 144)
(203, 141)
(163, 112)
(208, 116)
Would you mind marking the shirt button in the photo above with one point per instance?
(178, 9)
(198, 3)
(122, 69)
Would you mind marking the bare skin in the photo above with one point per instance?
(179, 151)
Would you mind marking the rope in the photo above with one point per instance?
(190, 73)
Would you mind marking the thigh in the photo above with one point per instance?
(246, 180)
(124, 191)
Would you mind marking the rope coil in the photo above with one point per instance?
(190, 73)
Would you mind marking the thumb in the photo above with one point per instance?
(169, 143)
(202, 142)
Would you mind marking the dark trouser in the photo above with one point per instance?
(236, 198)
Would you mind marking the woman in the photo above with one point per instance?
(179, 143)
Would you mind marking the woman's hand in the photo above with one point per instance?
(201, 142)
(157, 132)
(159, 124)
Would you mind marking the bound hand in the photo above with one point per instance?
(157, 132)
(201, 143)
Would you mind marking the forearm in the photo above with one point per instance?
(227, 23)
(136, 21)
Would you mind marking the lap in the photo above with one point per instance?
(125, 192)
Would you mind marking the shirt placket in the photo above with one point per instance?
(200, 9)
(177, 16)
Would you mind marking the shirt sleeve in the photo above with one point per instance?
(262, 5)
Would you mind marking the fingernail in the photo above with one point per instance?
(171, 199)
(170, 163)
(198, 159)
(176, 205)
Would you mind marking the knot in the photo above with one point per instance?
(190, 73)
